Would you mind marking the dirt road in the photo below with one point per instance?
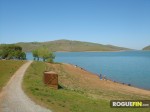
(12, 97)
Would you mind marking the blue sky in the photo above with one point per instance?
(118, 22)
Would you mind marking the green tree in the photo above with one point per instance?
(0, 54)
(19, 55)
(51, 57)
(23, 56)
(43, 53)
(35, 54)
(12, 52)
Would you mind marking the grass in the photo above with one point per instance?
(64, 99)
(7, 69)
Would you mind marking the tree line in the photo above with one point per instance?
(13, 51)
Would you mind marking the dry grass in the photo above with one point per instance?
(78, 79)
(81, 91)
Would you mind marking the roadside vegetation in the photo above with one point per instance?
(71, 96)
(7, 69)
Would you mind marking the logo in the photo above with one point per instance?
(130, 103)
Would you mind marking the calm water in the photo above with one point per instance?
(128, 67)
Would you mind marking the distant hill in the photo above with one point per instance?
(146, 48)
(69, 45)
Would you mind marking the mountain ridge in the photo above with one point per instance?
(69, 46)
(146, 48)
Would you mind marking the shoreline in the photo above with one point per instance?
(108, 79)
(119, 86)
(104, 51)
(122, 81)
(95, 51)
(98, 51)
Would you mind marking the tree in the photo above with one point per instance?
(51, 57)
(43, 53)
(0, 54)
(23, 56)
(20, 55)
(35, 54)
(12, 52)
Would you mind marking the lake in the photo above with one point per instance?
(131, 67)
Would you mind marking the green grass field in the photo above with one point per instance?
(64, 99)
(7, 69)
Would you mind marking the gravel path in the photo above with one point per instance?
(12, 97)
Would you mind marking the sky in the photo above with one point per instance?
(123, 23)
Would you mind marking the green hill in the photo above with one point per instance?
(69, 45)
(146, 48)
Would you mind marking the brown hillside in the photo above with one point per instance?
(77, 79)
